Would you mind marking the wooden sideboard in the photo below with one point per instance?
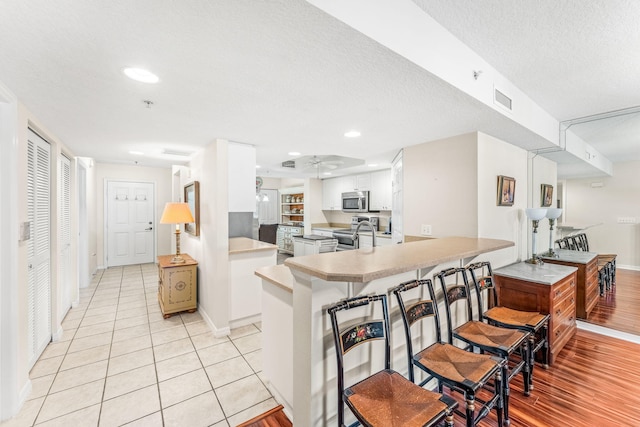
(587, 282)
(548, 289)
(177, 285)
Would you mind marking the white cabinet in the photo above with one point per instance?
(284, 237)
(377, 183)
(366, 240)
(302, 246)
(362, 182)
(331, 194)
(325, 233)
(380, 194)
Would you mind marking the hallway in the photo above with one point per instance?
(120, 363)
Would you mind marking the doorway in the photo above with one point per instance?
(38, 246)
(130, 223)
(83, 229)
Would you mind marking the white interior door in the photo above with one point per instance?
(38, 246)
(64, 228)
(268, 210)
(130, 223)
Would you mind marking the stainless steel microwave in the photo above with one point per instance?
(355, 201)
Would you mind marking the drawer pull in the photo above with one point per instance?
(572, 300)
(573, 283)
(558, 312)
(558, 292)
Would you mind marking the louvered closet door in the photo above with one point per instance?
(64, 226)
(38, 247)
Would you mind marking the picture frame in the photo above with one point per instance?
(192, 198)
(546, 195)
(506, 190)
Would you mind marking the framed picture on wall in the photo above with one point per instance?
(192, 198)
(546, 195)
(506, 190)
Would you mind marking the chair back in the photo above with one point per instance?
(482, 279)
(455, 287)
(416, 313)
(584, 242)
(348, 337)
(562, 243)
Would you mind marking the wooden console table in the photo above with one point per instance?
(177, 285)
(587, 281)
(548, 289)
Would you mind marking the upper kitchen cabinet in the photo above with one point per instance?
(332, 190)
(377, 183)
(380, 194)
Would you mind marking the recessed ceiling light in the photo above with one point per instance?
(373, 165)
(352, 134)
(141, 75)
(258, 166)
(137, 153)
(327, 173)
(294, 153)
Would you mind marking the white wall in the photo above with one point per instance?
(161, 177)
(600, 207)
(496, 157)
(211, 249)
(440, 187)
(242, 177)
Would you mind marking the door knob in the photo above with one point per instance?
(148, 229)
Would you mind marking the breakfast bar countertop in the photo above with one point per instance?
(367, 264)
(244, 244)
(546, 274)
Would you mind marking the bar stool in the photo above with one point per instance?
(536, 324)
(384, 398)
(503, 342)
(459, 370)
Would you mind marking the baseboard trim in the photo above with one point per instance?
(608, 332)
(245, 321)
(628, 267)
(57, 334)
(217, 332)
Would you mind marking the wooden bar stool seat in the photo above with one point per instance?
(382, 398)
(389, 399)
(458, 370)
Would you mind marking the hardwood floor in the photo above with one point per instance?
(619, 309)
(272, 418)
(595, 381)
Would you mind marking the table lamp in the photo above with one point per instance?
(552, 214)
(535, 215)
(176, 213)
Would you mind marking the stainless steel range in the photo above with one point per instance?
(344, 235)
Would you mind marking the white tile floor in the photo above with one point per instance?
(120, 363)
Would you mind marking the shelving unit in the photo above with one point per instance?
(292, 208)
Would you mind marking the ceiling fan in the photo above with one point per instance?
(317, 163)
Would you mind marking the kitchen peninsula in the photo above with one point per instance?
(306, 381)
(245, 256)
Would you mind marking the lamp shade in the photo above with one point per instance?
(536, 214)
(553, 213)
(176, 213)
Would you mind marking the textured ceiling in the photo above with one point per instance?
(284, 76)
(574, 58)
